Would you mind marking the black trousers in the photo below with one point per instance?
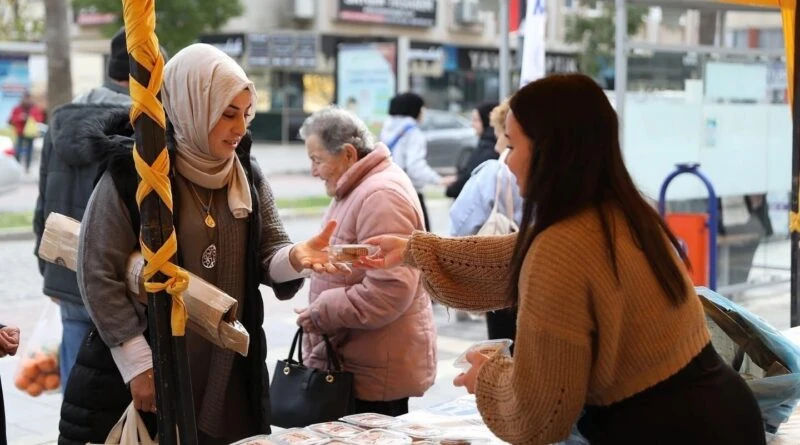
(706, 402)
(392, 408)
(424, 212)
(502, 324)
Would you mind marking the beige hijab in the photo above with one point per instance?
(200, 82)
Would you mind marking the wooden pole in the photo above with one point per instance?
(163, 280)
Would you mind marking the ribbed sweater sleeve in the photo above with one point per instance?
(469, 273)
(536, 397)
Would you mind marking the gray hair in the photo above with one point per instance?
(336, 127)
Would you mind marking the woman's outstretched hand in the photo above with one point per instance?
(392, 250)
(313, 253)
(470, 378)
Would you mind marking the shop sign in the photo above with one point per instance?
(418, 13)
(283, 50)
(480, 59)
(231, 44)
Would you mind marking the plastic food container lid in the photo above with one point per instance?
(418, 430)
(299, 436)
(487, 347)
(346, 253)
(371, 420)
(381, 437)
(338, 430)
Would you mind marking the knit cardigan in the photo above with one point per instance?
(585, 335)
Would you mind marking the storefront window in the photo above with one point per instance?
(317, 91)
(261, 80)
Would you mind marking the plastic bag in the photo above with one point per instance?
(37, 371)
(31, 129)
(130, 430)
(770, 365)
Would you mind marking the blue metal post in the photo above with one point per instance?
(713, 214)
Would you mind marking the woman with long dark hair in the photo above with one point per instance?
(609, 323)
(484, 151)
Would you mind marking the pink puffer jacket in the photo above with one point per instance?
(380, 321)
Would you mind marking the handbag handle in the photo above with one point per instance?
(298, 343)
(334, 364)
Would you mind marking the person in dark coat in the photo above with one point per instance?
(9, 342)
(66, 180)
(482, 153)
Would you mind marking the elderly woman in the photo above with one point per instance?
(380, 322)
(229, 234)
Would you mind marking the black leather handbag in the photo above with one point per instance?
(302, 396)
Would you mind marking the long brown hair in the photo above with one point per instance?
(577, 163)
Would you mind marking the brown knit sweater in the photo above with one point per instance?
(582, 336)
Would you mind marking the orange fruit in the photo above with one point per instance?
(21, 382)
(40, 379)
(47, 364)
(52, 382)
(35, 389)
(29, 369)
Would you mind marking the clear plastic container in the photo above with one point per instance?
(381, 437)
(339, 430)
(417, 430)
(463, 441)
(347, 253)
(298, 436)
(371, 420)
(488, 348)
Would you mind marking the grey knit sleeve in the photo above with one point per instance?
(273, 237)
(106, 242)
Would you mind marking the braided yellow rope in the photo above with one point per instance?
(794, 222)
(140, 25)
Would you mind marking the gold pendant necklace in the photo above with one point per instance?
(209, 256)
(209, 220)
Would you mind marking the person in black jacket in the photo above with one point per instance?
(66, 180)
(482, 153)
(9, 342)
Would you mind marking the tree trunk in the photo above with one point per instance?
(15, 19)
(57, 42)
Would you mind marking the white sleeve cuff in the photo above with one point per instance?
(281, 270)
(132, 357)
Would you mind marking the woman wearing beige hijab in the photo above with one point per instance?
(229, 234)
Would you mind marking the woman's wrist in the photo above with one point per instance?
(408, 257)
(294, 258)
